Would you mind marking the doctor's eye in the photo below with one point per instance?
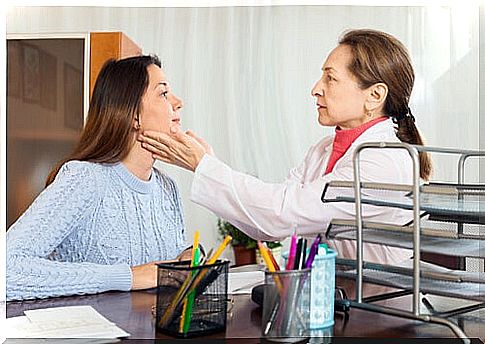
(164, 94)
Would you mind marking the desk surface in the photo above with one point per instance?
(132, 311)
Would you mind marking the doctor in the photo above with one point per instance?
(363, 92)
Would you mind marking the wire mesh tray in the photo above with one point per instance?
(463, 203)
(444, 282)
(443, 239)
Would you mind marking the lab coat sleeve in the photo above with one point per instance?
(270, 211)
(296, 174)
(265, 211)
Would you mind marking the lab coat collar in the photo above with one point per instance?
(382, 131)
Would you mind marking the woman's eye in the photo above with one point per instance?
(164, 94)
(330, 78)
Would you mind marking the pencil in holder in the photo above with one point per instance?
(191, 301)
(322, 289)
(286, 305)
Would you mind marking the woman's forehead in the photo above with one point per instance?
(338, 60)
(157, 75)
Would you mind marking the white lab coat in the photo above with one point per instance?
(279, 207)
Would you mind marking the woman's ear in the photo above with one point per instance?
(376, 97)
(136, 123)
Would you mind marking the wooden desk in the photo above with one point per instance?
(132, 311)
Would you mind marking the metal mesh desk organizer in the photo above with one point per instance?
(443, 214)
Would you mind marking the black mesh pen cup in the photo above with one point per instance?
(191, 301)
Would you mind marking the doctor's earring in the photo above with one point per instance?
(369, 114)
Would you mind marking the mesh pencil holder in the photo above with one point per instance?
(191, 301)
(286, 306)
(322, 289)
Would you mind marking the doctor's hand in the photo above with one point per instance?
(177, 148)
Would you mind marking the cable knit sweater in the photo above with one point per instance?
(85, 230)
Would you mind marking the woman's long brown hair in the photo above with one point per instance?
(380, 57)
(116, 102)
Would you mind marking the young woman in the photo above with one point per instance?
(107, 215)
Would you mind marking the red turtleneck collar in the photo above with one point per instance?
(344, 139)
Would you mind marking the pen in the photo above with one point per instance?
(313, 251)
(204, 259)
(272, 316)
(219, 250)
(269, 264)
(194, 246)
(303, 254)
(191, 297)
(193, 261)
(298, 254)
(266, 257)
(291, 257)
(273, 260)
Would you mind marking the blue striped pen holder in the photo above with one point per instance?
(323, 289)
(322, 295)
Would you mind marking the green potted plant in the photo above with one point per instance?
(245, 247)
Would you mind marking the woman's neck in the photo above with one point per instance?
(139, 161)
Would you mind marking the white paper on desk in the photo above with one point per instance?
(63, 341)
(244, 282)
(72, 316)
(63, 322)
(18, 327)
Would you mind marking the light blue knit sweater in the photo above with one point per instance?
(84, 231)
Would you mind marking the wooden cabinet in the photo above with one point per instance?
(108, 45)
(49, 80)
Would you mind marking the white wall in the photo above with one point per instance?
(245, 74)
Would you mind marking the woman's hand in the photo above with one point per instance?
(181, 149)
(145, 276)
(185, 255)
